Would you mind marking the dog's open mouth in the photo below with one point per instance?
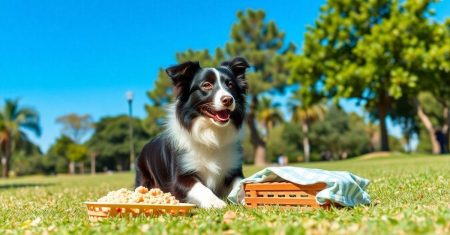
(221, 116)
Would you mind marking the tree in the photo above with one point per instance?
(160, 97)
(110, 141)
(26, 158)
(365, 50)
(339, 135)
(262, 44)
(76, 127)
(268, 114)
(282, 140)
(434, 120)
(306, 115)
(13, 121)
(57, 160)
(435, 67)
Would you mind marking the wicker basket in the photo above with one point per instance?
(98, 211)
(282, 194)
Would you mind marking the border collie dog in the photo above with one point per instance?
(198, 158)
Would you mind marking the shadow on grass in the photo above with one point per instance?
(24, 185)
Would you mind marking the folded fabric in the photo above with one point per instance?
(342, 187)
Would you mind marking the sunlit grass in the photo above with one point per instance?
(411, 195)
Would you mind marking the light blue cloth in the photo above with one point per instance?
(343, 187)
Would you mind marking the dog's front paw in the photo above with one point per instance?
(213, 203)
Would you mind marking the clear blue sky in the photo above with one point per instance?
(82, 56)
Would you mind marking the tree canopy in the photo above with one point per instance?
(14, 119)
(110, 141)
(369, 50)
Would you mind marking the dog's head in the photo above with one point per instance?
(217, 94)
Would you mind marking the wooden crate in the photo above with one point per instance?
(282, 194)
(98, 211)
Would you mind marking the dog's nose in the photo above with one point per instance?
(227, 100)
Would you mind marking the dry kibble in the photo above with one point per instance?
(140, 195)
(141, 189)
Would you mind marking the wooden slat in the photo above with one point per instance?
(142, 206)
(280, 201)
(282, 186)
(282, 194)
(98, 211)
(286, 194)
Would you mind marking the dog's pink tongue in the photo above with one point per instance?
(223, 115)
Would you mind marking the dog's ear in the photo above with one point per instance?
(238, 66)
(183, 73)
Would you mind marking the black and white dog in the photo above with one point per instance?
(198, 158)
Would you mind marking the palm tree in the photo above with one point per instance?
(13, 120)
(306, 115)
(268, 114)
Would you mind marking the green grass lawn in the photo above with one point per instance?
(411, 195)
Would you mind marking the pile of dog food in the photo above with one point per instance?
(140, 195)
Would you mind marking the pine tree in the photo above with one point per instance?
(262, 44)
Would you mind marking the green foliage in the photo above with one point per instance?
(61, 145)
(375, 51)
(110, 141)
(57, 159)
(432, 107)
(27, 159)
(262, 44)
(436, 61)
(27, 164)
(339, 135)
(396, 144)
(76, 152)
(160, 96)
(13, 121)
(203, 56)
(268, 114)
(284, 139)
(424, 145)
(409, 194)
(308, 114)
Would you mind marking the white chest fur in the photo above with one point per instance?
(211, 166)
(209, 150)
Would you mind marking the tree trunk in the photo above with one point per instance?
(430, 129)
(260, 155)
(259, 145)
(81, 166)
(445, 127)
(384, 136)
(71, 167)
(93, 156)
(6, 158)
(4, 167)
(306, 147)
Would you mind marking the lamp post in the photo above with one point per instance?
(129, 96)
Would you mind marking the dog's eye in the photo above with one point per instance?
(229, 84)
(207, 85)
